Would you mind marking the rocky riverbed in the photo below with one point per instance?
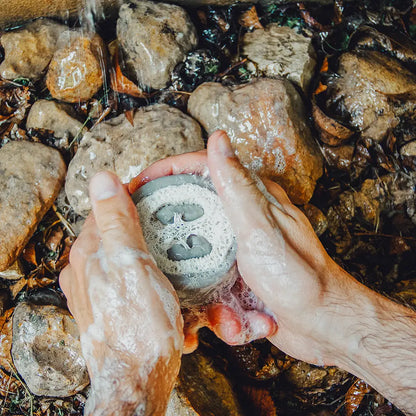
(318, 96)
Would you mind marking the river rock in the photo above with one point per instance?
(31, 176)
(29, 50)
(58, 117)
(14, 272)
(179, 405)
(206, 386)
(155, 37)
(46, 350)
(266, 123)
(280, 51)
(364, 90)
(76, 71)
(159, 131)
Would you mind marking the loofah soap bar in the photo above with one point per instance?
(188, 234)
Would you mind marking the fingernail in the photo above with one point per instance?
(224, 144)
(103, 186)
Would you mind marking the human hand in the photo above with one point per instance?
(279, 257)
(127, 311)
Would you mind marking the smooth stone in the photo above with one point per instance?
(279, 51)
(76, 71)
(159, 131)
(155, 37)
(267, 124)
(46, 350)
(14, 272)
(29, 50)
(58, 117)
(31, 177)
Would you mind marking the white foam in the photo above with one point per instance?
(213, 225)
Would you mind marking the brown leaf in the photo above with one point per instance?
(36, 282)
(120, 83)
(261, 399)
(18, 286)
(129, 116)
(250, 19)
(29, 253)
(325, 65)
(63, 260)
(8, 384)
(355, 396)
(320, 88)
(6, 334)
(311, 21)
(54, 239)
(331, 132)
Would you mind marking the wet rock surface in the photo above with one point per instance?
(266, 122)
(179, 405)
(76, 71)
(206, 387)
(155, 38)
(159, 131)
(29, 50)
(31, 177)
(365, 90)
(46, 350)
(54, 116)
(280, 51)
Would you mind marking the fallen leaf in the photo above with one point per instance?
(36, 282)
(17, 287)
(325, 65)
(250, 19)
(120, 83)
(311, 21)
(6, 335)
(29, 253)
(331, 131)
(129, 116)
(261, 399)
(320, 88)
(8, 384)
(53, 240)
(355, 396)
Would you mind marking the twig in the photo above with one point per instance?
(24, 386)
(229, 69)
(371, 234)
(64, 222)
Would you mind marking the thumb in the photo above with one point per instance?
(115, 214)
(243, 203)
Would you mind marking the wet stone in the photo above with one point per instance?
(155, 37)
(29, 50)
(58, 117)
(179, 406)
(14, 272)
(206, 387)
(266, 123)
(76, 71)
(316, 217)
(280, 51)
(46, 350)
(31, 177)
(159, 131)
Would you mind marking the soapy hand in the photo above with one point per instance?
(279, 258)
(127, 311)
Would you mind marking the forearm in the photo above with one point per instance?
(380, 346)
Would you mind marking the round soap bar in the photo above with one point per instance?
(188, 234)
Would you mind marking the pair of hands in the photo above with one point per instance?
(128, 313)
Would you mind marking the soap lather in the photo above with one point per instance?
(189, 235)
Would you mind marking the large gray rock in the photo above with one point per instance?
(159, 131)
(46, 350)
(281, 51)
(266, 123)
(29, 50)
(51, 115)
(155, 38)
(31, 177)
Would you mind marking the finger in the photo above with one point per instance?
(115, 214)
(195, 162)
(234, 185)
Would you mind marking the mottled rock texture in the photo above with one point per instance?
(266, 123)
(155, 37)
(31, 175)
(29, 50)
(76, 71)
(280, 51)
(51, 115)
(159, 131)
(47, 351)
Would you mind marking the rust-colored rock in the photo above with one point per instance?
(266, 122)
(76, 70)
(47, 351)
(31, 177)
